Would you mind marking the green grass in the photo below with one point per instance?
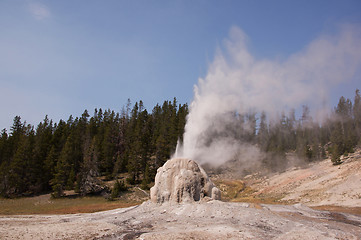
(45, 205)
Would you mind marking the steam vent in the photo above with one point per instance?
(182, 180)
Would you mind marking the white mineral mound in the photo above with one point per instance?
(182, 180)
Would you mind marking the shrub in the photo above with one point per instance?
(335, 156)
(118, 188)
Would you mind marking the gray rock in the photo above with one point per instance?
(90, 184)
(182, 180)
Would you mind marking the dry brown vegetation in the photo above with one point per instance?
(45, 205)
(239, 191)
(72, 203)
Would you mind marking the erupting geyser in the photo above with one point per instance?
(240, 84)
(182, 180)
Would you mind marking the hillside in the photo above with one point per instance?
(317, 184)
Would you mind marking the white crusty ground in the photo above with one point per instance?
(201, 220)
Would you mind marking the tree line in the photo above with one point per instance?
(63, 156)
(54, 157)
(305, 138)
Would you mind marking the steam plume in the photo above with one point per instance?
(237, 82)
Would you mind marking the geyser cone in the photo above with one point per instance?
(182, 180)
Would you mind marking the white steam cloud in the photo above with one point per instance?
(237, 82)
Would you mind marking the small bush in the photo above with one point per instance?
(58, 191)
(130, 181)
(335, 156)
(118, 188)
(144, 185)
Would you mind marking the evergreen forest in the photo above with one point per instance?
(55, 157)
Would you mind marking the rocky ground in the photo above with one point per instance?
(202, 220)
(320, 184)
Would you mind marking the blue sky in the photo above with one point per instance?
(58, 58)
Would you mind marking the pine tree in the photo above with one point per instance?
(343, 134)
(3, 146)
(335, 155)
(181, 116)
(109, 142)
(64, 166)
(49, 166)
(146, 179)
(40, 176)
(20, 166)
(262, 136)
(17, 131)
(4, 162)
(357, 115)
(120, 156)
(290, 131)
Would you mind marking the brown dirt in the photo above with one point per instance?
(318, 184)
(351, 210)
